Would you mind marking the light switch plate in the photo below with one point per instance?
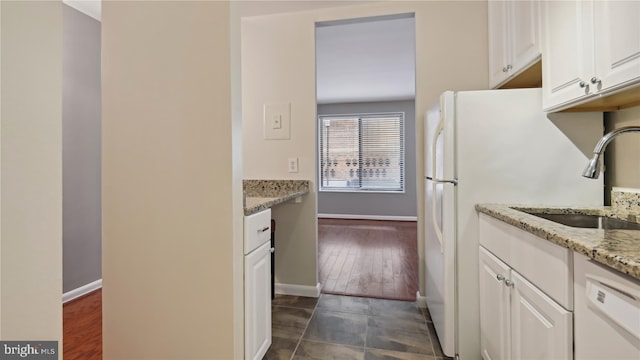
(293, 165)
(277, 119)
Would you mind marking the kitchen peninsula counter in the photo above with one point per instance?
(618, 249)
(263, 194)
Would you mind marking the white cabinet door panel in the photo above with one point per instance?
(540, 328)
(257, 298)
(567, 54)
(514, 39)
(525, 35)
(498, 42)
(617, 42)
(494, 308)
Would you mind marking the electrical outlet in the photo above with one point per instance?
(293, 165)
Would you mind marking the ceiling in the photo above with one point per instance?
(366, 60)
(359, 60)
(268, 7)
(93, 8)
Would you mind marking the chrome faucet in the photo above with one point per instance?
(592, 171)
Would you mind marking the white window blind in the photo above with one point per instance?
(362, 152)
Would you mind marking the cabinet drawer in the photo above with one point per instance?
(547, 265)
(257, 230)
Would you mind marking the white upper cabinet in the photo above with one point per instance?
(498, 43)
(525, 33)
(590, 49)
(513, 39)
(567, 39)
(617, 43)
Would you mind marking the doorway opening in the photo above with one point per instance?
(367, 198)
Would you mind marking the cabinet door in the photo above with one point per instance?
(617, 43)
(498, 43)
(525, 33)
(257, 302)
(494, 307)
(567, 56)
(514, 42)
(540, 328)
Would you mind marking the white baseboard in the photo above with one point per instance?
(421, 301)
(368, 217)
(298, 290)
(82, 290)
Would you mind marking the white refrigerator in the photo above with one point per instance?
(493, 146)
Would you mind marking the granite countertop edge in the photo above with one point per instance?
(255, 204)
(617, 249)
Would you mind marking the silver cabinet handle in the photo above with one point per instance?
(595, 80)
(509, 283)
(263, 229)
(272, 250)
(504, 69)
(582, 84)
(507, 68)
(500, 277)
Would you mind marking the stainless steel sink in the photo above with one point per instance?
(589, 221)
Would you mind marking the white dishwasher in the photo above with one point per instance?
(606, 312)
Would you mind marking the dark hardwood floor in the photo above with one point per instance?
(82, 327)
(376, 259)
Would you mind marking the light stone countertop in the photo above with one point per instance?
(618, 249)
(263, 194)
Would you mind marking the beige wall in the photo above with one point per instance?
(172, 199)
(623, 153)
(278, 65)
(31, 168)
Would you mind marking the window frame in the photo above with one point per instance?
(401, 115)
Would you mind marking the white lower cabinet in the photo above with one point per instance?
(257, 284)
(495, 314)
(525, 287)
(257, 302)
(517, 320)
(540, 328)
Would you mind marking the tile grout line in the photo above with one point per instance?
(366, 328)
(305, 328)
(433, 347)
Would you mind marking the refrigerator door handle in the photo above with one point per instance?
(435, 219)
(434, 167)
(434, 158)
(440, 181)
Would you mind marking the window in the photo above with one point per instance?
(362, 152)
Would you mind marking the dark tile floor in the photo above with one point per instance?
(344, 327)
